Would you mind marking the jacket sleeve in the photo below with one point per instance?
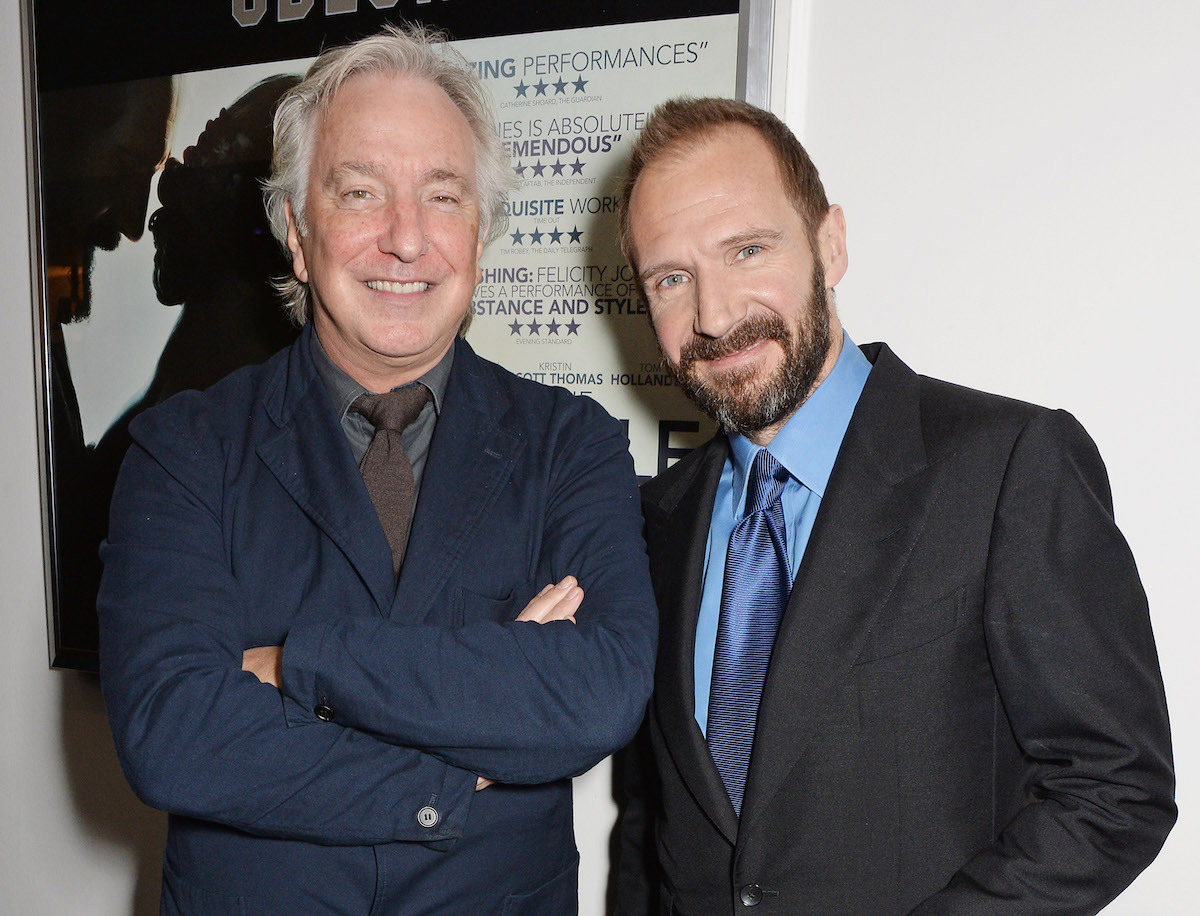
(1068, 634)
(514, 701)
(196, 735)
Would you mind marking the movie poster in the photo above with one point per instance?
(557, 302)
(156, 256)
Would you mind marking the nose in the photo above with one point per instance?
(718, 308)
(131, 199)
(404, 233)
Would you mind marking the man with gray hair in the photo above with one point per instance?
(368, 606)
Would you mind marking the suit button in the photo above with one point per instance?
(428, 817)
(324, 713)
(750, 895)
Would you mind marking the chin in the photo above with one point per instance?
(746, 376)
(403, 344)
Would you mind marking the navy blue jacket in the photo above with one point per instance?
(240, 520)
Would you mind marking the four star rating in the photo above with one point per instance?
(559, 86)
(574, 236)
(557, 167)
(551, 327)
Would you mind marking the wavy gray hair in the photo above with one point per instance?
(413, 51)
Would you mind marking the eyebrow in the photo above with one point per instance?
(653, 269)
(753, 234)
(374, 170)
(449, 175)
(345, 170)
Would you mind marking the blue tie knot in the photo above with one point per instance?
(767, 477)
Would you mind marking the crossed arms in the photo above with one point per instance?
(556, 601)
(422, 710)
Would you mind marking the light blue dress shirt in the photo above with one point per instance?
(807, 446)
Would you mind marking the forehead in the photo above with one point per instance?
(377, 116)
(728, 177)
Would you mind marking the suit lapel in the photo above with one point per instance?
(869, 520)
(311, 459)
(677, 532)
(474, 450)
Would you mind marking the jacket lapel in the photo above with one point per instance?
(870, 518)
(311, 459)
(474, 450)
(677, 532)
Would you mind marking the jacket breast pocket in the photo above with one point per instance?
(903, 627)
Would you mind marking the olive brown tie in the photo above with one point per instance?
(385, 467)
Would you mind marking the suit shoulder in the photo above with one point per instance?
(956, 417)
(892, 383)
(572, 435)
(942, 397)
(214, 413)
(953, 409)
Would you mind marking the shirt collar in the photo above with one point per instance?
(343, 390)
(809, 441)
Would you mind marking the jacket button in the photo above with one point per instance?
(750, 895)
(428, 817)
(324, 713)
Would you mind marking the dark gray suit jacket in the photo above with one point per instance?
(964, 712)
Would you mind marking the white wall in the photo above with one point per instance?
(1021, 189)
(73, 839)
(1021, 186)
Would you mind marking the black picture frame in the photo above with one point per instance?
(99, 80)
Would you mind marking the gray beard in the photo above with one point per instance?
(736, 399)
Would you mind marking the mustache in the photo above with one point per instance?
(750, 331)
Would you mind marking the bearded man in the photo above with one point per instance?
(905, 660)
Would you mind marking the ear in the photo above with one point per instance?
(299, 267)
(831, 243)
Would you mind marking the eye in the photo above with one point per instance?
(358, 194)
(444, 199)
(748, 252)
(671, 280)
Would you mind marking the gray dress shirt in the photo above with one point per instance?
(343, 391)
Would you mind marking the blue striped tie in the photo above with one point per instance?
(755, 593)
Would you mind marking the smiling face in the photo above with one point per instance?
(736, 295)
(392, 247)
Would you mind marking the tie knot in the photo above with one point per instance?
(395, 409)
(767, 477)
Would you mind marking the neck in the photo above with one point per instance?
(762, 437)
(381, 373)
